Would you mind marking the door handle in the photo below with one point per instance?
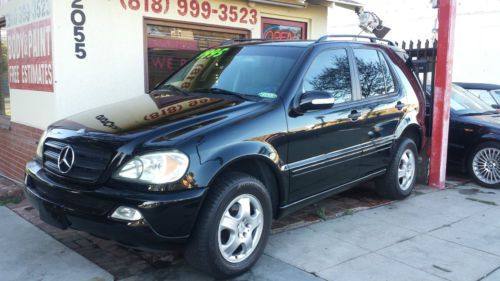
(400, 105)
(354, 115)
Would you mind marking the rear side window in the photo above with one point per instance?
(329, 72)
(375, 76)
(390, 85)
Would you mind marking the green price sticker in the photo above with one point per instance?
(213, 53)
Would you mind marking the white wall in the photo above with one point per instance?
(476, 56)
(31, 108)
(477, 42)
(114, 66)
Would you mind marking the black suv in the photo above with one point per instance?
(243, 133)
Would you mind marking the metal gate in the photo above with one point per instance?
(423, 57)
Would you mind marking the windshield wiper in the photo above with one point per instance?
(219, 91)
(489, 112)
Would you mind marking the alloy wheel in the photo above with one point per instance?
(486, 165)
(406, 169)
(240, 228)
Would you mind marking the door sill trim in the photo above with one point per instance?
(332, 190)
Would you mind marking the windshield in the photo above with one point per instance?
(497, 94)
(484, 95)
(244, 70)
(466, 103)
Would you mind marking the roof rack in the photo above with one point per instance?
(237, 40)
(355, 37)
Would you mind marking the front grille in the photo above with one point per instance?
(89, 163)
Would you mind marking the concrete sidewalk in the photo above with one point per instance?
(27, 253)
(434, 235)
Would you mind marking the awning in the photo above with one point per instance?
(348, 4)
(284, 3)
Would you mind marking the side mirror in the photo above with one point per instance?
(495, 106)
(315, 100)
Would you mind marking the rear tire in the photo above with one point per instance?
(233, 226)
(484, 164)
(401, 175)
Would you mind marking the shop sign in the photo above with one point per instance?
(194, 8)
(275, 29)
(29, 41)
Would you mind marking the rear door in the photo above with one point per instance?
(382, 107)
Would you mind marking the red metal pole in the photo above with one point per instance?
(442, 93)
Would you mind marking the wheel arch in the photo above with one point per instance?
(262, 169)
(258, 159)
(414, 132)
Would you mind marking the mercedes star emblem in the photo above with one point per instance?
(66, 159)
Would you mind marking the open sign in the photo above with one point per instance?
(274, 29)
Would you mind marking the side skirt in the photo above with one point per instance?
(297, 205)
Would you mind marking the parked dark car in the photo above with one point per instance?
(474, 139)
(242, 134)
(489, 93)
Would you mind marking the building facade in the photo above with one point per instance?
(60, 57)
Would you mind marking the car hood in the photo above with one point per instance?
(491, 121)
(171, 114)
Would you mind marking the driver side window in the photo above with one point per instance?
(330, 72)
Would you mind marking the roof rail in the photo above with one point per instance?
(237, 40)
(355, 37)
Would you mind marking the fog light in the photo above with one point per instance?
(127, 214)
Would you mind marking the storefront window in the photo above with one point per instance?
(170, 45)
(275, 29)
(4, 76)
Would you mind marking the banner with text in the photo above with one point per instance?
(29, 42)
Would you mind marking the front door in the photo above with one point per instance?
(323, 144)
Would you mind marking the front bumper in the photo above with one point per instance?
(168, 218)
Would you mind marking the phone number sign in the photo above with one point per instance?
(195, 8)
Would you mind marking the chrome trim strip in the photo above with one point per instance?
(338, 154)
(325, 164)
(378, 173)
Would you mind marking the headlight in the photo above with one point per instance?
(155, 168)
(39, 148)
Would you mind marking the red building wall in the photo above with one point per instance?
(17, 146)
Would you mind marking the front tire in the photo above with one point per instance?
(484, 164)
(233, 227)
(401, 175)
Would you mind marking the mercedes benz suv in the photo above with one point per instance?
(244, 133)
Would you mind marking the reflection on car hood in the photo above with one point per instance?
(484, 120)
(150, 111)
